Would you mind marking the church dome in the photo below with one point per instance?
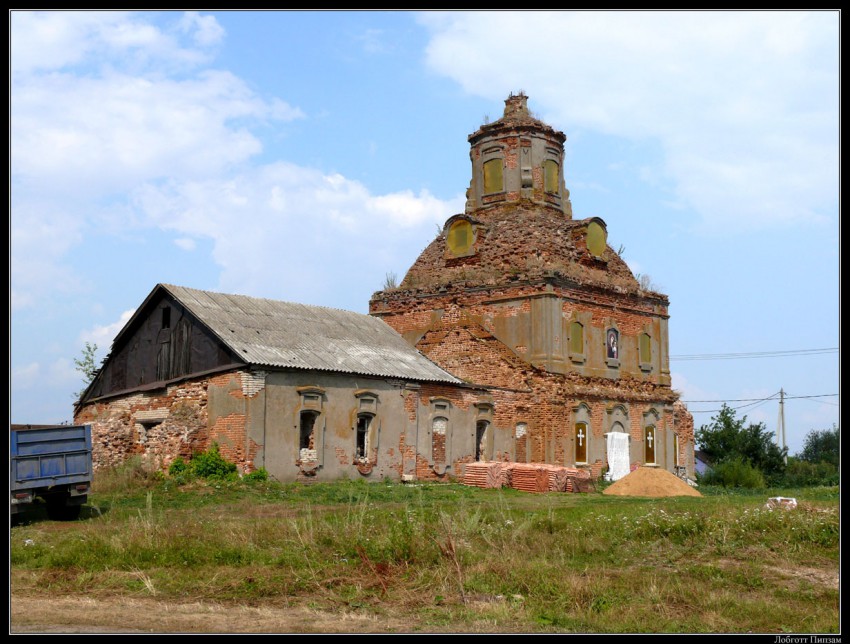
(516, 243)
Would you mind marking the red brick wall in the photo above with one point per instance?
(174, 423)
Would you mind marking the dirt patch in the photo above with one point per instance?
(814, 576)
(124, 615)
(651, 482)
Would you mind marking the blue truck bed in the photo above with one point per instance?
(52, 462)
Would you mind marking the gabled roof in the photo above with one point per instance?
(298, 336)
(702, 456)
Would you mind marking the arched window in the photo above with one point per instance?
(481, 439)
(493, 179)
(361, 449)
(645, 351)
(307, 435)
(521, 435)
(550, 176)
(438, 439)
(597, 238)
(649, 444)
(612, 344)
(460, 237)
(581, 438)
(576, 340)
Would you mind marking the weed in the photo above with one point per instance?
(450, 555)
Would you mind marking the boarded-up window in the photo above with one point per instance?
(493, 180)
(174, 354)
(550, 169)
(645, 349)
(581, 442)
(577, 338)
(597, 238)
(649, 443)
(460, 237)
(438, 439)
(522, 443)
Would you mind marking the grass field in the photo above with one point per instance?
(446, 557)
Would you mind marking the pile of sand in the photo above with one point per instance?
(652, 482)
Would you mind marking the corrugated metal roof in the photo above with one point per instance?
(298, 336)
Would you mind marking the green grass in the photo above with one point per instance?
(451, 557)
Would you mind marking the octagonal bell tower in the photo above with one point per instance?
(517, 158)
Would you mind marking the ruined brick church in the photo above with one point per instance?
(518, 335)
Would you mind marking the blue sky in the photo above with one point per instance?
(303, 156)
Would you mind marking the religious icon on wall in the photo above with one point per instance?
(611, 343)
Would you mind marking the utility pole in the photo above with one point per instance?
(780, 426)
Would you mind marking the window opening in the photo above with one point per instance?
(581, 442)
(307, 436)
(650, 444)
(480, 438)
(361, 449)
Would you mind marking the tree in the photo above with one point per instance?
(821, 446)
(727, 438)
(86, 366)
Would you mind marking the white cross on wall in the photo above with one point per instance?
(580, 435)
(649, 439)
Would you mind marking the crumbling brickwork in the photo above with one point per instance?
(528, 305)
(161, 425)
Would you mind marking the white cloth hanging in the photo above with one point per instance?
(618, 455)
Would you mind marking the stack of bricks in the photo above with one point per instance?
(490, 474)
(577, 480)
(529, 477)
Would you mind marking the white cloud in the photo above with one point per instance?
(205, 30)
(373, 41)
(821, 415)
(62, 372)
(110, 133)
(92, 132)
(744, 104)
(283, 222)
(692, 392)
(186, 243)
(103, 335)
(26, 376)
(40, 236)
(54, 40)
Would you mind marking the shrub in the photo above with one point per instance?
(212, 465)
(734, 472)
(257, 475)
(801, 473)
(178, 466)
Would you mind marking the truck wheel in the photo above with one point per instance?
(58, 511)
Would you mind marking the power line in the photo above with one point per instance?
(820, 402)
(814, 396)
(752, 402)
(758, 399)
(753, 354)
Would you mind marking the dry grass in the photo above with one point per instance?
(430, 558)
